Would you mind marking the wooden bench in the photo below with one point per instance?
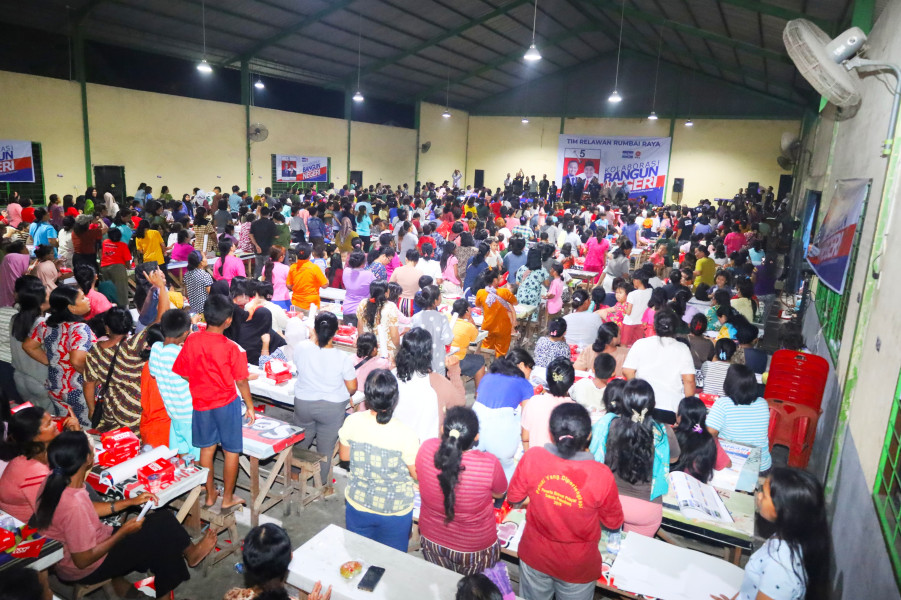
(308, 463)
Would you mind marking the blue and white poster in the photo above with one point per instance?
(830, 253)
(292, 168)
(16, 162)
(638, 163)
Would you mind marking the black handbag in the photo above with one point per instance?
(98, 395)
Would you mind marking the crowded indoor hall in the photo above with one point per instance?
(484, 300)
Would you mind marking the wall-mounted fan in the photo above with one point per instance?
(828, 65)
(257, 132)
(790, 145)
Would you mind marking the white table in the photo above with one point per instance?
(333, 294)
(539, 375)
(282, 393)
(405, 576)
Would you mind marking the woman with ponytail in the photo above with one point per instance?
(228, 266)
(326, 380)
(62, 342)
(458, 485)
(606, 342)
(638, 450)
(382, 454)
(93, 551)
(571, 497)
(377, 315)
(275, 271)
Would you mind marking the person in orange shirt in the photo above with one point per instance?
(498, 314)
(305, 279)
(155, 421)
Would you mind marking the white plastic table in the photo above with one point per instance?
(333, 294)
(405, 576)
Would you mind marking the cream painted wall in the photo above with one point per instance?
(167, 140)
(502, 145)
(715, 157)
(45, 110)
(718, 156)
(384, 154)
(294, 133)
(448, 138)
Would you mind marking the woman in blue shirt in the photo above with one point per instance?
(497, 405)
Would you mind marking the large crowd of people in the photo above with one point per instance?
(595, 410)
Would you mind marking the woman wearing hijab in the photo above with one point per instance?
(112, 208)
(345, 236)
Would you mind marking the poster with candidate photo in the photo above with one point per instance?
(639, 164)
(290, 168)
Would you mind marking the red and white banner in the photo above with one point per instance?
(16, 162)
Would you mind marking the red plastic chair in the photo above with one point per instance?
(795, 427)
(797, 377)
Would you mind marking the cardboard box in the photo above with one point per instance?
(162, 467)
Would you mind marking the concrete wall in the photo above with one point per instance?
(183, 142)
(859, 397)
(48, 111)
(448, 138)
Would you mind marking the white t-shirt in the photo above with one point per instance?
(661, 362)
(417, 406)
(586, 393)
(582, 328)
(639, 301)
(432, 268)
(321, 372)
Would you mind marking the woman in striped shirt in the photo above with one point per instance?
(741, 415)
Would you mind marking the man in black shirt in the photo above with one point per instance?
(543, 187)
(262, 232)
(686, 225)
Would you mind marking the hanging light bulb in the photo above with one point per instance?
(446, 114)
(525, 119)
(652, 116)
(689, 123)
(259, 84)
(615, 97)
(532, 54)
(203, 66)
(358, 97)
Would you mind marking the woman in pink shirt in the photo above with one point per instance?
(86, 277)
(93, 551)
(228, 266)
(536, 412)
(276, 271)
(451, 286)
(25, 449)
(734, 241)
(458, 485)
(554, 294)
(596, 255)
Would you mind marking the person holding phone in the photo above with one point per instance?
(93, 551)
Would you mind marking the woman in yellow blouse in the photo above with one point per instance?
(498, 314)
(150, 244)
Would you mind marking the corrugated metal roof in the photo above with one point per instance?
(409, 46)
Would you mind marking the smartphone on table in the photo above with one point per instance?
(371, 578)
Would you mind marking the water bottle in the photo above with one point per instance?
(614, 541)
(239, 568)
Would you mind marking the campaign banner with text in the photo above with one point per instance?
(639, 163)
(16, 162)
(291, 168)
(830, 253)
